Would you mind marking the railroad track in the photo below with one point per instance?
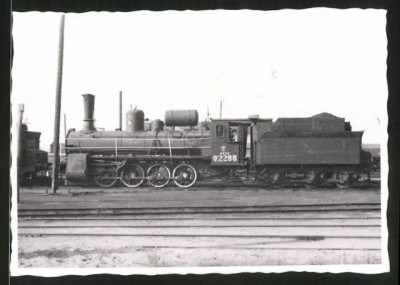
(198, 226)
(343, 233)
(262, 231)
(373, 184)
(79, 212)
(288, 236)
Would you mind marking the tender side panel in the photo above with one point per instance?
(345, 150)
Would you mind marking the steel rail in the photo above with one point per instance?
(297, 237)
(192, 210)
(269, 248)
(203, 218)
(116, 212)
(199, 226)
(222, 209)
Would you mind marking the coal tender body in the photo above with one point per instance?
(305, 150)
(312, 150)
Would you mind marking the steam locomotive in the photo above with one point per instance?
(318, 149)
(33, 162)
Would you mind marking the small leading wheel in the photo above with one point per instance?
(105, 177)
(184, 175)
(159, 175)
(132, 175)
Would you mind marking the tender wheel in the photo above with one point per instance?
(263, 176)
(159, 175)
(105, 178)
(132, 175)
(184, 175)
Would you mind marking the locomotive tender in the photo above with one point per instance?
(318, 149)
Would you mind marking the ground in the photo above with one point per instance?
(141, 241)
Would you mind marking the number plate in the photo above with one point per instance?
(225, 158)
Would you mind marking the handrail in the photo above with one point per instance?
(136, 147)
(144, 139)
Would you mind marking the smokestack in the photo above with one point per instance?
(88, 109)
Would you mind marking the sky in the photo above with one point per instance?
(285, 63)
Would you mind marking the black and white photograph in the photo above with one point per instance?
(218, 141)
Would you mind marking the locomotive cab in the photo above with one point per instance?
(229, 139)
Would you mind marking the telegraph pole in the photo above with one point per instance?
(56, 141)
(120, 110)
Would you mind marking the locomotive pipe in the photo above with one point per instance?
(88, 108)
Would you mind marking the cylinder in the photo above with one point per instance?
(157, 125)
(181, 118)
(88, 111)
(135, 121)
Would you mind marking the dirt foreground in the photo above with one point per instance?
(159, 251)
(121, 252)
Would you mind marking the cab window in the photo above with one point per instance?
(233, 133)
(219, 131)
